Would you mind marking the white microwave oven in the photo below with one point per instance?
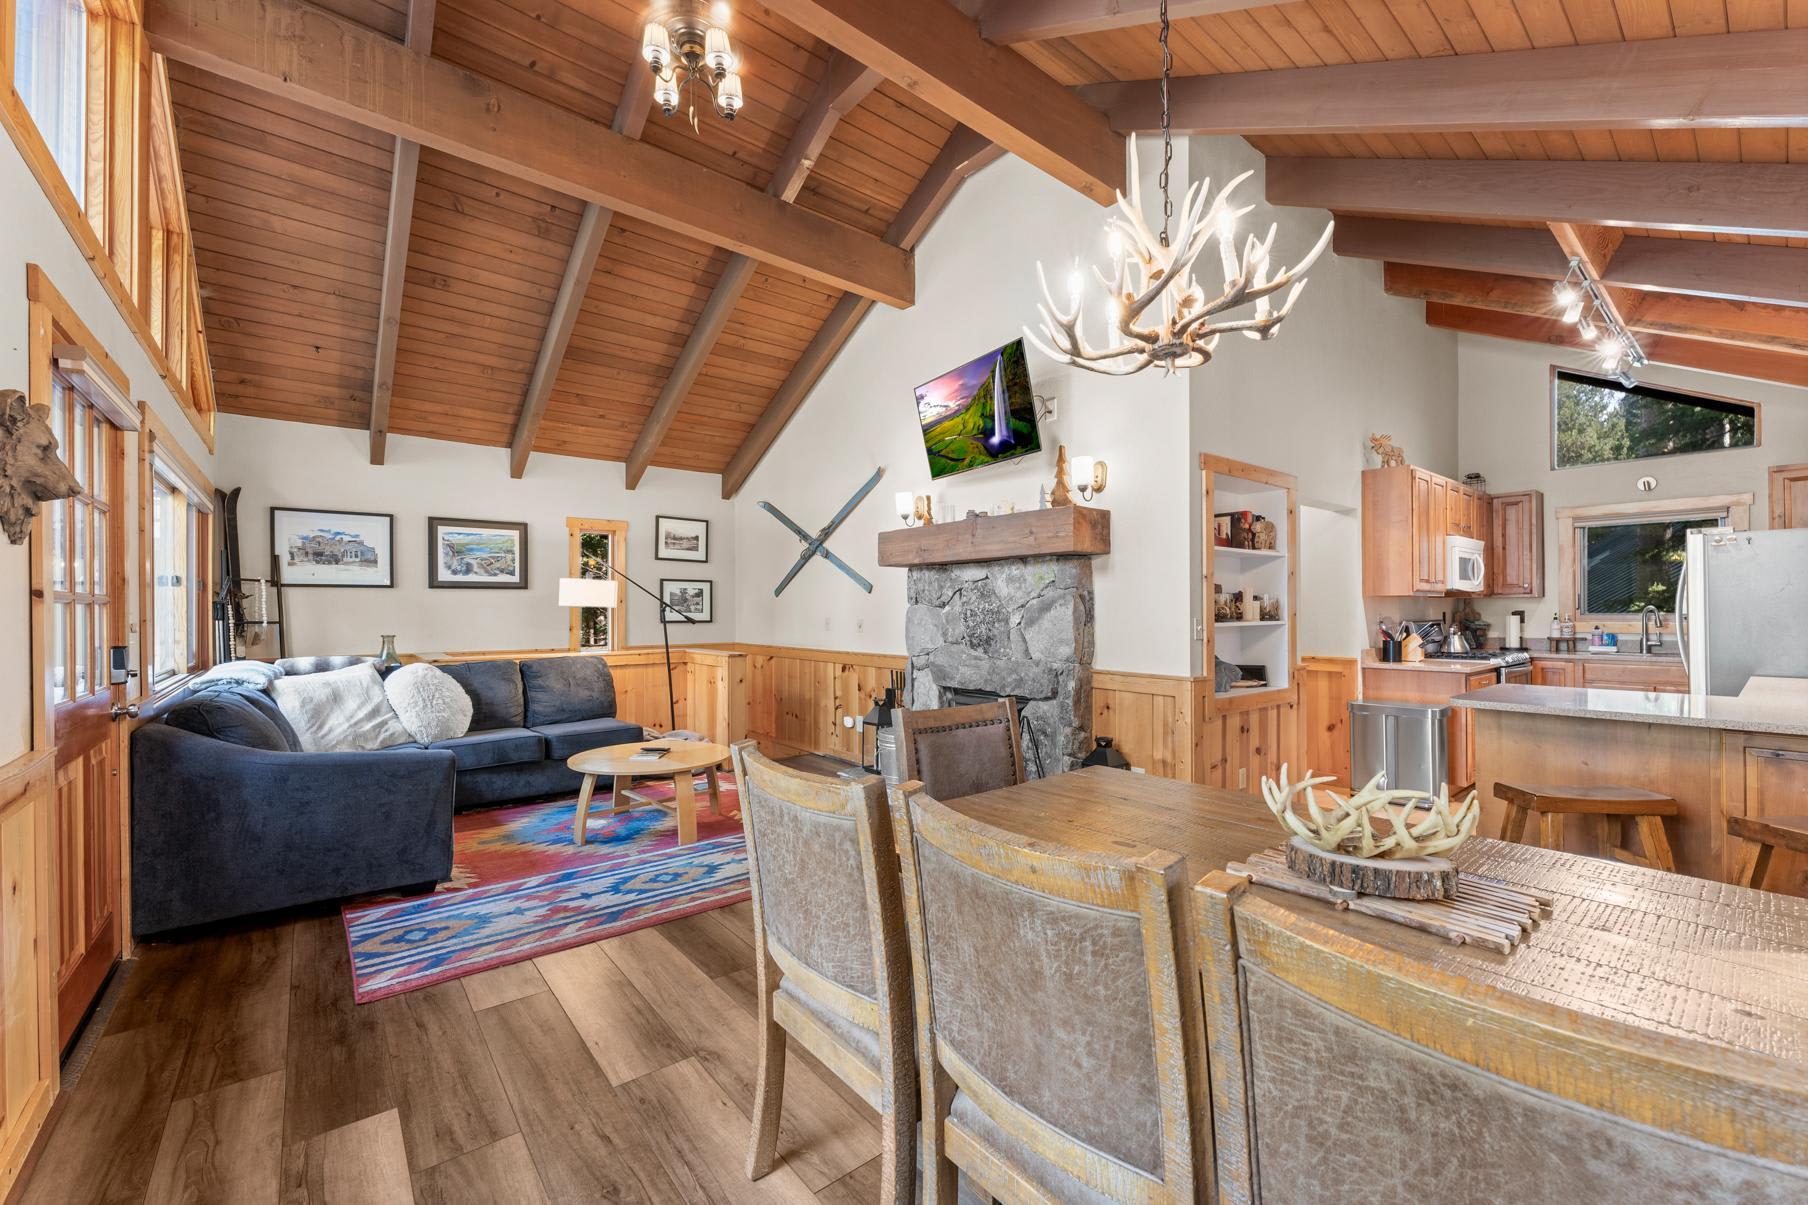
(1463, 564)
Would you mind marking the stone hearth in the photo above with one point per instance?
(1023, 627)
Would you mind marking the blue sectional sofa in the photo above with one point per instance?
(229, 818)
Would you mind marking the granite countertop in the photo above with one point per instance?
(1435, 665)
(1775, 714)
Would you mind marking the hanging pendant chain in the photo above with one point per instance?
(1167, 137)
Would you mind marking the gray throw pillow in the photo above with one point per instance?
(561, 690)
(225, 716)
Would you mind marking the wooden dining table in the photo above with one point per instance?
(1663, 951)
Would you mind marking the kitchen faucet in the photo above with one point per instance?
(1650, 642)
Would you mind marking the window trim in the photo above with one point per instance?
(1570, 519)
(1757, 409)
(617, 530)
(157, 443)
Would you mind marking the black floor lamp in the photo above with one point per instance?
(604, 592)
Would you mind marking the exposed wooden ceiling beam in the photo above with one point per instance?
(1510, 251)
(1740, 198)
(1735, 271)
(1704, 319)
(295, 50)
(1761, 365)
(593, 228)
(1593, 247)
(965, 152)
(1009, 21)
(403, 172)
(844, 86)
(930, 48)
(1734, 79)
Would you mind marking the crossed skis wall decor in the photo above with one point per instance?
(815, 545)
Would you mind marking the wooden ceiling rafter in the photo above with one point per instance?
(965, 152)
(1007, 22)
(1779, 329)
(1768, 199)
(593, 228)
(1746, 80)
(1755, 363)
(843, 87)
(936, 52)
(403, 175)
(308, 54)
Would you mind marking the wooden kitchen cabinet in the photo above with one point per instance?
(1516, 544)
(1767, 775)
(1611, 672)
(1463, 510)
(1407, 515)
(1548, 672)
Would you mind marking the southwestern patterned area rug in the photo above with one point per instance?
(521, 887)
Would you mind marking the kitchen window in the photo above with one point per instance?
(1598, 420)
(1617, 560)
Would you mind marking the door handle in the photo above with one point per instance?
(125, 711)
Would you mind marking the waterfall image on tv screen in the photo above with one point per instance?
(964, 424)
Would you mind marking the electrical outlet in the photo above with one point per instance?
(1242, 778)
(827, 624)
(860, 624)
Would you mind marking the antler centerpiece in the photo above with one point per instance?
(1375, 842)
(1155, 311)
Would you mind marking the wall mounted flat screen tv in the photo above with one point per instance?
(965, 423)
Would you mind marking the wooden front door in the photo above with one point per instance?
(87, 617)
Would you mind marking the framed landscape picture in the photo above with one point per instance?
(676, 539)
(476, 554)
(333, 547)
(694, 597)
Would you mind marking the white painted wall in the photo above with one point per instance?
(33, 234)
(295, 464)
(976, 287)
(1504, 423)
(1348, 362)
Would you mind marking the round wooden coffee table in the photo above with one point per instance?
(680, 764)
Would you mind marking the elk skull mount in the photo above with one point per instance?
(31, 472)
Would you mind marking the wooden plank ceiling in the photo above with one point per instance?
(289, 205)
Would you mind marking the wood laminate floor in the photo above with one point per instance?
(237, 1069)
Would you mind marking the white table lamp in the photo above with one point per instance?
(589, 592)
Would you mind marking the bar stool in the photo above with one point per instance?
(1761, 836)
(1610, 806)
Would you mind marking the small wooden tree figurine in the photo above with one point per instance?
(1061, 495)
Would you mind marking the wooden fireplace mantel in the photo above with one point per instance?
(1057, 531)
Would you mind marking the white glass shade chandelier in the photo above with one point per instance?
(687, 45)
(1579, 303)
(1153, 310)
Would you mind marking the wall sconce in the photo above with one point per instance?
(914, 509)
(1088, 476)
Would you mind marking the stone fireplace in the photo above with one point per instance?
(985, 624)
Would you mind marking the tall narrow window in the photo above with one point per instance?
(50, 74)
(81, 589)
(597, 547)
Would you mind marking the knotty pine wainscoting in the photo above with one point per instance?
(28, 981)
(798, 700)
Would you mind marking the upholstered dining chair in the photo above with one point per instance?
(1341, 1069)
(833, 966)
(956, 751)
(1057, 1024)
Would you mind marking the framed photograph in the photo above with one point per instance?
(676, 539)
(690, 596)
(476, 554)
(333, 547)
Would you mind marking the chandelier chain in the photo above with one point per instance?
(1167, 137)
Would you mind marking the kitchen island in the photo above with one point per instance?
(1715, 756)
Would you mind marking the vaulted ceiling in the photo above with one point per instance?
(503, 247)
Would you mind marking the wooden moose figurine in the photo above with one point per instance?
(1383, 446)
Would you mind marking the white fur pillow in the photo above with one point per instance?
(429, 702)
(339, 711)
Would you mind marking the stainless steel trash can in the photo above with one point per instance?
(1407, 743)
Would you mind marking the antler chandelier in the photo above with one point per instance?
(686, 46)
(1155, 312)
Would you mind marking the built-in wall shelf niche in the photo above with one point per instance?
(1246, 503)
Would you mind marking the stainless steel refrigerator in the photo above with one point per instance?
(1744, 607)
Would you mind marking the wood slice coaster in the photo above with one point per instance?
(1395, 878)
(1484, 912)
